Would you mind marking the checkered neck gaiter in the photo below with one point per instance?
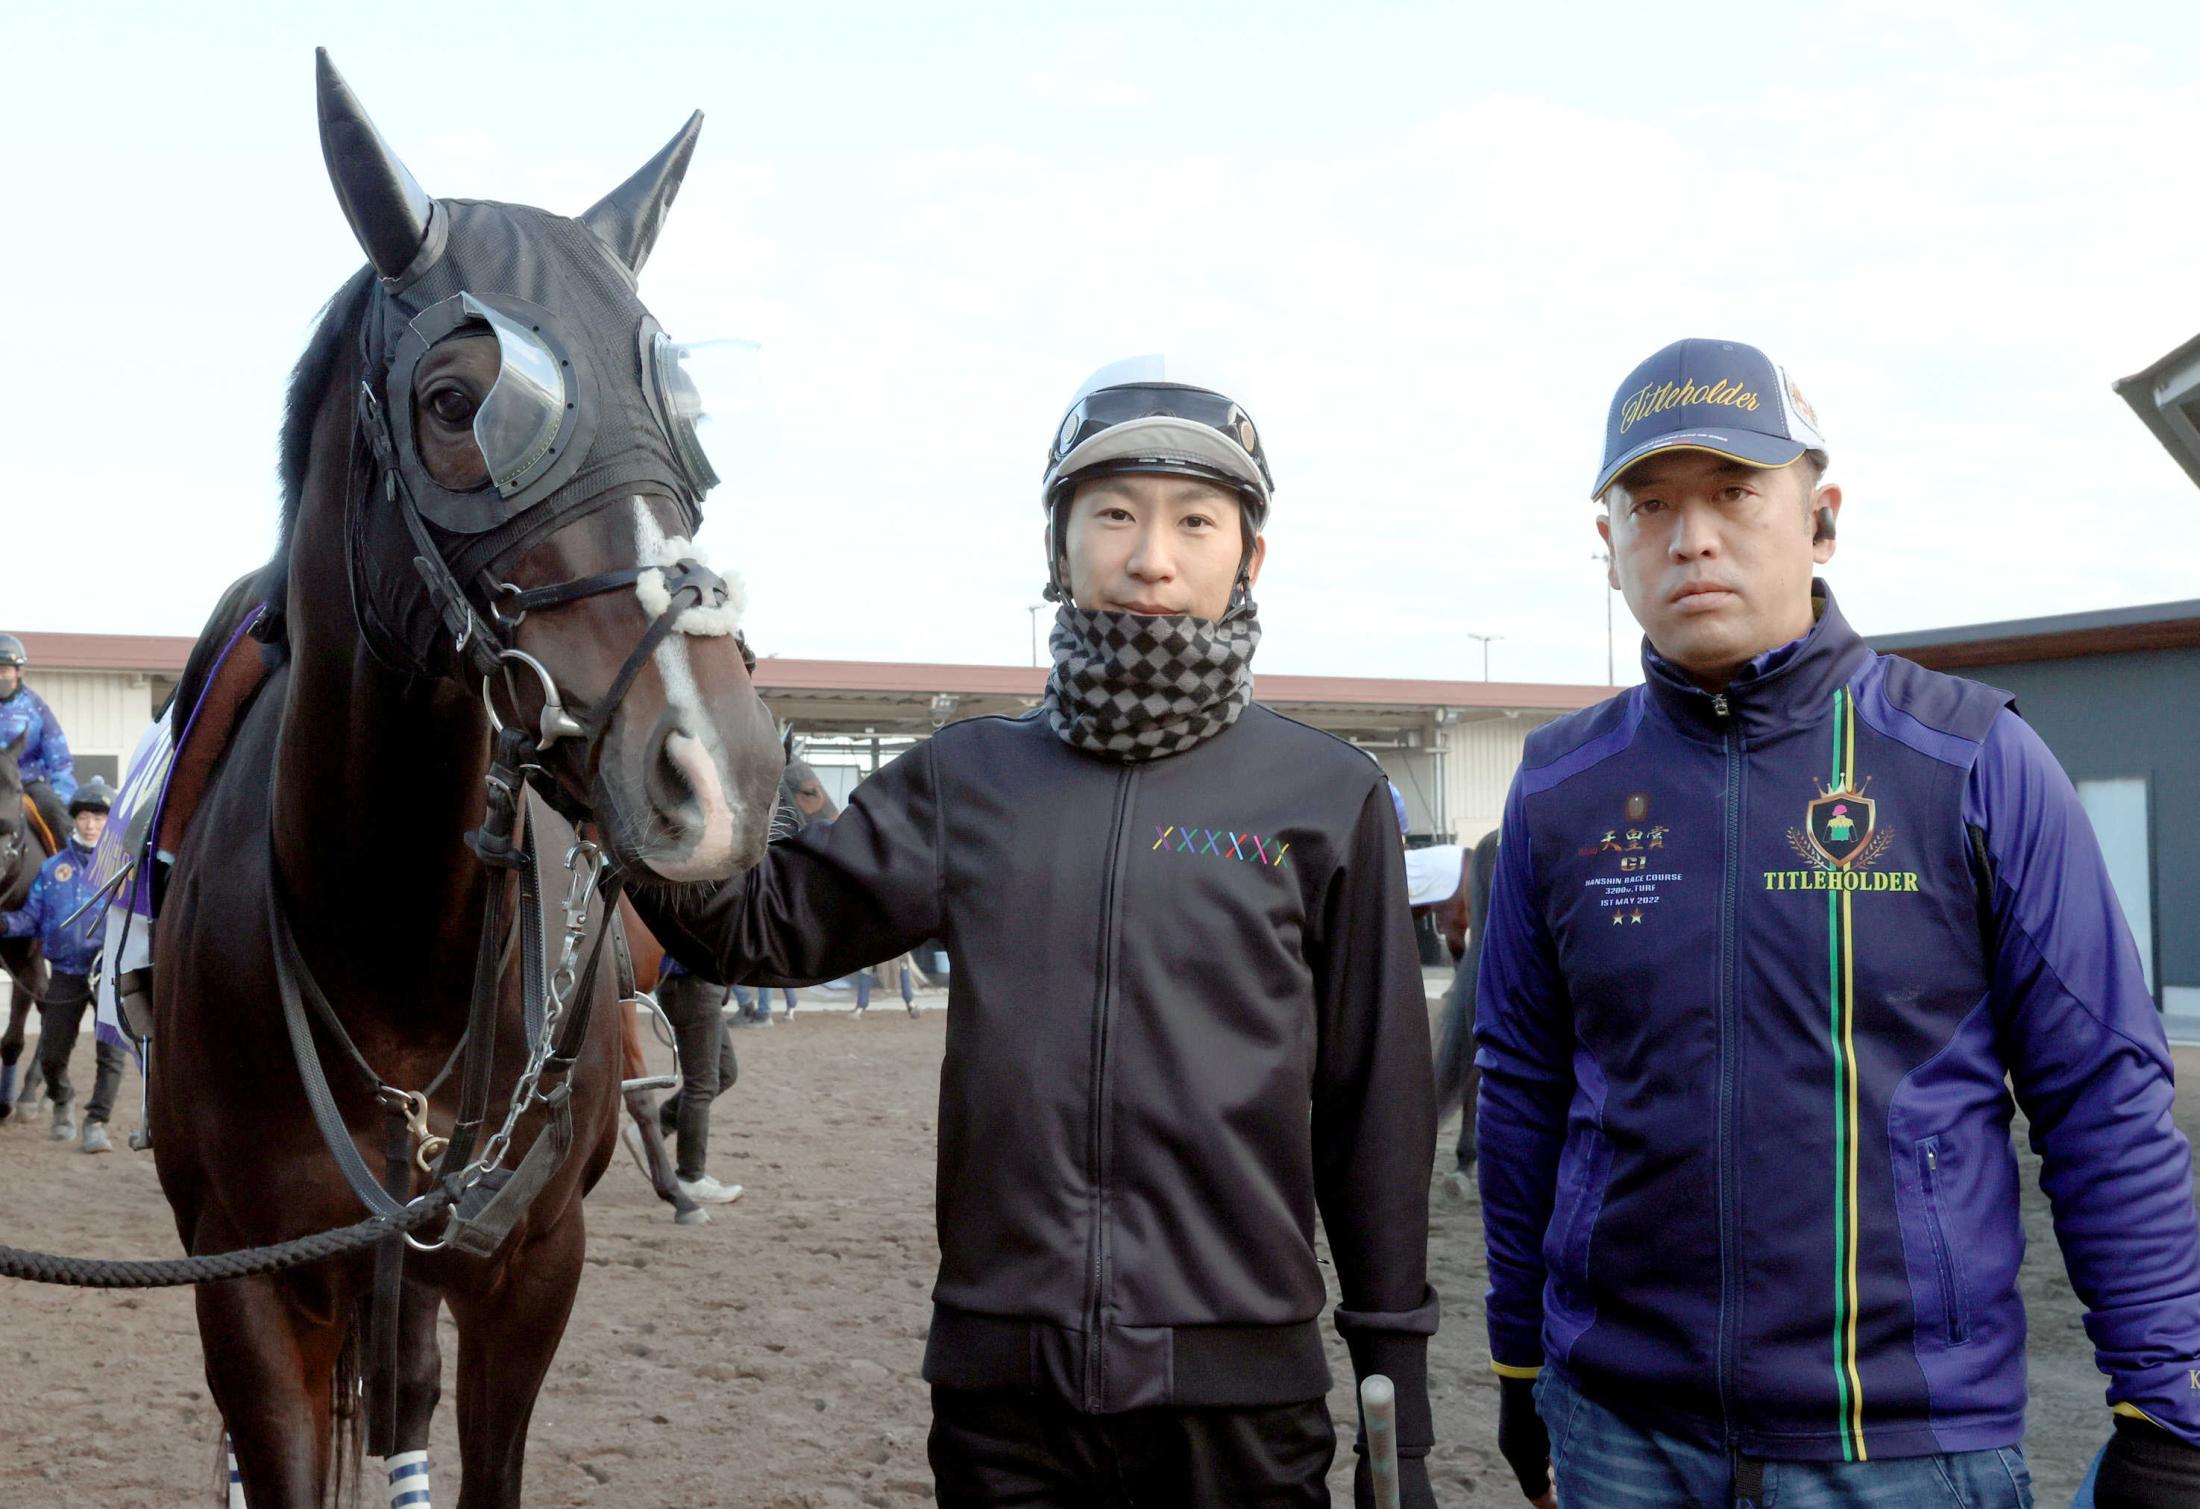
(1137, 687)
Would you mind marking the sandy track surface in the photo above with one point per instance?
(767, 1359)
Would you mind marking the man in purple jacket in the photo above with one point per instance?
(1774, 937)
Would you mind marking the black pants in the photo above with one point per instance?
(1012, 1447)
(60, 1019)
(695, 1008)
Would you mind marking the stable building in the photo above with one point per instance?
(1450, 747)
(2116, 696)
(104, 688)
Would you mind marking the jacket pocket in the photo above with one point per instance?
(1576, 1217)
(1955, 1302)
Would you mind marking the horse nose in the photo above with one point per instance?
(692, 808)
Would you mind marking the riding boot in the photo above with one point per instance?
(7, 1091)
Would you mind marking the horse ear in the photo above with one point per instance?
(628, 218)
(389, 212)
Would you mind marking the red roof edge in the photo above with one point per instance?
(159, 654)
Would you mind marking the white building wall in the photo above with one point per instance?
(101, 712)
(1482, 756)
(1419, 776)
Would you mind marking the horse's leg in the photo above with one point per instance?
(11, 1047)
(642, 1109)
(270, 1369)
(506, 1338)
(419, 1384)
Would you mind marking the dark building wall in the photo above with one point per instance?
(2132, 715)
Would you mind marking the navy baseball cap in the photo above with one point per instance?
(1717, 396)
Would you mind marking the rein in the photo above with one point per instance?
(484, 1200)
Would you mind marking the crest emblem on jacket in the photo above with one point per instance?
(1840, 840)
(1840, 828)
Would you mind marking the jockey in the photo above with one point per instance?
(1170, 1045)
(49, 776)
(56, 911)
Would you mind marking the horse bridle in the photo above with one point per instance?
(481, 637)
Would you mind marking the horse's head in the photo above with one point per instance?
(803, 799)
(526, 486)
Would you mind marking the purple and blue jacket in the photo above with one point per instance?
(45, 754)
(62, 886)
(1762, 969)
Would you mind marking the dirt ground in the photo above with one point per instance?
(767, 1359)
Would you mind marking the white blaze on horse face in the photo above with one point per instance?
(697, 752)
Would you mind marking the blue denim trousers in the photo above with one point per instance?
(1604, 1461)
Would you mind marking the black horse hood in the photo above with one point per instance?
(590, 405)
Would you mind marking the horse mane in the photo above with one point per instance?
(335, 338)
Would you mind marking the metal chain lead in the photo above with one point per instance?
(585, 861)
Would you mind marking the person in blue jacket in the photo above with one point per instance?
(1779, 941)
(49, 774)
(56, 912)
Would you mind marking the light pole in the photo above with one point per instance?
(1604, 559)
(1035, 610)
(1485, 638)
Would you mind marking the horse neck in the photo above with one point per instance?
(377, 778)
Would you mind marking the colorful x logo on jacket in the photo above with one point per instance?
(1250, 848)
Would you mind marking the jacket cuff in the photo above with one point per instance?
(1395, 1344)
(2165, 1396)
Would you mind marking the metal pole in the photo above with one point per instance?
(1035, 610)
(1611, 678)
(1379, 1408)
(1485, 638)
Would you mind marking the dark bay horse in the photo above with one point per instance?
(480, 463)
(22, 959)
(1457, 1078)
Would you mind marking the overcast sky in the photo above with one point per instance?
(1429, 240)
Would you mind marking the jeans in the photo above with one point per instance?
(863, 989)
(1603, 1460)
(758, 1002)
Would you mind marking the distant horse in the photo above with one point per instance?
(1457, 1079)
(22, 851)
(484, 345)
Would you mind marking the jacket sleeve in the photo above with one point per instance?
(55, 765)
(28, 922)
(835, 898)
(2091, 1068)
(1524, 1046)
(1375, 1114)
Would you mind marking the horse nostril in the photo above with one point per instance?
(670, 789)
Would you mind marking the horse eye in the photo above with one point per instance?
(451, 405)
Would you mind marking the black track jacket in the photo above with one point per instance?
(1186, 1010)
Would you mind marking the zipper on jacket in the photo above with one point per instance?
(1730, 1284)
(1096, 1254)
(1953, 1314)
